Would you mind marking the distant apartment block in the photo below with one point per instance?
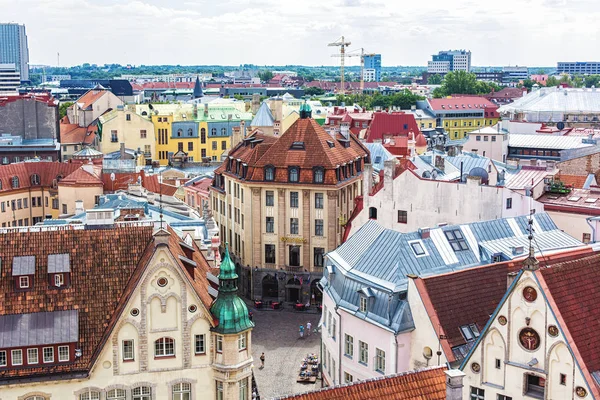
(372, 68)
(579, 68)
(14, 49)
(449, 61)
(55, 78)
(514, 74)
(9, 79)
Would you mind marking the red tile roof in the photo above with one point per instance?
(470, 296)
(81, 177)
(278, 153)
(73, 133)
(150, 183)
(390, 124)
(398, 145)
(572, 291)
(575, 181)
(47, 171)
(89, 98)
(456, 103)
(40, 97)
(426, 384)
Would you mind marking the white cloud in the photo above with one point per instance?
(232, 32)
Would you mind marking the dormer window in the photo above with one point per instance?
(59, 269)
(23, 282)
(318, 175)
(23, 270)
(35, 180)
(15, 182)
(363, 304)
(293, 174)
(269, 173)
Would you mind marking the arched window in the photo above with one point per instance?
(142, 393)
(35, 398)
(35, 179)
(116, 394)
(144, 113)
(223, 131)
(15, 182)
(164, 347)
(203, 136)
(179, 132)
(318, 175)
(294, 174)
(213, 131)
(190, 132)
(90, 395)
(372, 213)
(269, 173)
(182, 391)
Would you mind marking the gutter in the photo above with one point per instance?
(588, 219)
(339, 345)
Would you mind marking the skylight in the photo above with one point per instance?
(456, 240)
(418, 248)
(590, 200)
(574, 198)
(297, 146)
(331, 144)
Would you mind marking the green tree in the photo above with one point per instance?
(459, 82)
(314, 91)
(265, 75)
(62, 108)
(438, 93)
(527, 83)
(592, 80)
(435, 79)
(552, 81)
(238, 97)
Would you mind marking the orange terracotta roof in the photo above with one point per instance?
(426, 384)
(81, 177)
(89, 98)
(73, 133)
(576, 181)
(150, 183)
(47, 171)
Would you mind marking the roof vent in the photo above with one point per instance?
(424, 233)
(516, 250)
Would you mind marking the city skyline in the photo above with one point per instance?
(266, 32)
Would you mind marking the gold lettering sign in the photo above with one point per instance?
(293, 239)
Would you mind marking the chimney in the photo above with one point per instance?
(424, 233)
(243, 128)
(276, 128)
(206, 109)
(79, 207)
(89, 168)
(388, 174)
(236, 135)
(474, 180)
(122, 150)
(454, 384)
(345, 129)
(510, 278)
(439, 162)
(367, 176)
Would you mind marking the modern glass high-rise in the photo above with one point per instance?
(14, 49)
(373, 65)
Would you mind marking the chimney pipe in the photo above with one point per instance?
(454, 384)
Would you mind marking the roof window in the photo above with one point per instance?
(574, 198)
(470, 332)
(456, 240)
(418, 249)
(330, 144)
(297, 146)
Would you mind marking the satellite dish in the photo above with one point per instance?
(482, 173)
(434, 174)
(560, 126)
(112, 176)
(426, 174)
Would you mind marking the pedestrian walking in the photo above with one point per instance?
(262, 360)
(301, 331)
(308, 327)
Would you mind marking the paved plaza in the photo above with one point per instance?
(276, 334)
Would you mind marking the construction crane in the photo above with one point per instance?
(362, 56)
(342, 44)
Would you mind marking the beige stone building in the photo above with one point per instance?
(127, 315)
(282, 203)
(91, 106)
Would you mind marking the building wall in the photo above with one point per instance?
(588, 164)
(496, 150)
(434, 202)
(14, 48)
(457, 128)
(29, 119)
(100, 106)
(69, 194)
(163, 312)
(23, 216)
(574, 224)
(128, 132)
(162, 134)
(501, 342)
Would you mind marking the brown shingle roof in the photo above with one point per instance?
(427, 384)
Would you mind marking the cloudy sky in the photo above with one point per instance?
(279, 32)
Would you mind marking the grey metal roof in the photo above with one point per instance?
(23, 265)
(36, 329)
(59, 263)
(556, 100)
(263, 116)
(469, 161)
(379, 154)
(543, 141)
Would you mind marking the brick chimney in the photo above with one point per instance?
(454, 384)
(367, 176)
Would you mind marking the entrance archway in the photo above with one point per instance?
(270, 287)
(293, 287)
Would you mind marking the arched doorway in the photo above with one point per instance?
(293, 287)
(269, 287)
(372, 213)
(316, 296)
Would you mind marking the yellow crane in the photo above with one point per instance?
(342, 45)
(362, 56)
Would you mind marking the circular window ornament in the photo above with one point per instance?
(502, 320)
(580, 391)
(193, 308)
(162, 281)
(553, 330)
(134, 312)
(475, 367)
(529, 339)
(529, 294)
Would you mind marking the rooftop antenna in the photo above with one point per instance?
(160, 207)
(57, 59)
(530, 263)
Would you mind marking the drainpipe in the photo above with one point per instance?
(339, 345)
(593, 229)
(396, 357)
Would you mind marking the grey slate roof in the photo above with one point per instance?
(23, 265)
(469, 161)
(379, 154)
(556, 99)
(380, 259)
(36, 329)
(263, 116)
(59, 263)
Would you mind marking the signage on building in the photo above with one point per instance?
(298, 240)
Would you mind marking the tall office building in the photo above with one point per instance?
(449, 61)
(9, 79)
(579, 68)
(372, 68)
(14, 49)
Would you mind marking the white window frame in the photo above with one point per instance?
(242, 342)
(60, 358)
(59, 280)
(243, 389)
(363, 304)
(202, 340)
(348, 378)
(116, 394)
(12, 356)
(161, 350)
(4, 358)
(30, 359)
(348, 345)
(44, 354)
(219, 344)
(379, 360)
(363, 349)
(87, 395)
(23, 282)
(126, 357)
(180, 389)
(219, 395)
(145, 393)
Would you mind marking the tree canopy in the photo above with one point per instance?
(403, 100)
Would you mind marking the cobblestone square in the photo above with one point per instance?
(276, 334)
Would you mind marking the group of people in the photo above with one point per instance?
(308, 329)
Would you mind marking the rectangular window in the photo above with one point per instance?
(380, 361)
(203, 153)
(535, 386)
(128, 117)
(180, 146)
(493, 138)
(25, 203)
(19, 204)
(214, 145)
(470, 332)
(294, 226)
(269, 198)
(402, 216)
(242, 342)
(190, 146)
(113, 136)
(478, 138)
(223, 145)
(456, 240)
(348, 345)
(270, 224)
(486, 138)
(363, 352)
(502, 396)
(219, 344)
(59, 280)
(142, 134)
(23, 282)
(294, 199)
(63, 353)
(417, 248)
(498, 363)
(348, 378)
(477, 394)
(563, 379)
(3, 358)
(127, 350)
(363, 304)
(32, 356)
(319, 200)
(16, 357)
(244, 389)
(200, 344)
(219, 390)
(509, 203)
(318, 227)
(318, 259)
(48, 354)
